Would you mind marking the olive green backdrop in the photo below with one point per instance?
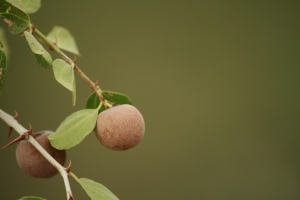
(218, 83)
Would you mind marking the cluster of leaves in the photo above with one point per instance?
(81, 123)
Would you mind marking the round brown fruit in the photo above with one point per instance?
(120, 128)
(33, 163)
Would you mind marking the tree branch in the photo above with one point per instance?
(10, 121)
(54, 47)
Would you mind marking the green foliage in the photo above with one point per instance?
(42, 56)
(93, 102)
(16, 19)
(64, 74)
(116, 98)
(31, 198)
(79, 124)
(96, 190)
(35, 46)
(63, 39)
(3, 42)
(44, 60)
(28, 6)
(74, 129)
(3, 66)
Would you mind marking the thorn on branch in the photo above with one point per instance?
(69, 167)
(75, 59)
(18, 139)
(16, 117)
(71, 197)
(32, 28)
(29, 132)
(96, 84)
(9, 132)
(50, 48)
(54, 43)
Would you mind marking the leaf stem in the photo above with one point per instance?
(55, 48)
(10, 121)
(74, 176)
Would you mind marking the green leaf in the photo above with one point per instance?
(96, 191)
(3, 42)
(28, 6)
(74, 129)
(35, 46)
(3, 67)
(93, 102)
(16, 19)
(31, 198)
(3, 59)
(45, 60)
(64, 40)
(116, 98)
(64, 74)
(42, 56)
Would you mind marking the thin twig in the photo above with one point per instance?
(55, 48)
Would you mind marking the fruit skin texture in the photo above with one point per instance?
(33, 163)
(120, 128)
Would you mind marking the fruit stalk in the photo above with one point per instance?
(10, 121)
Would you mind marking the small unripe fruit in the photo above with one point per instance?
(33, 163)
(121, 127)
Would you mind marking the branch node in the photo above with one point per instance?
(50, 48)
(54, 43)
(31, 28)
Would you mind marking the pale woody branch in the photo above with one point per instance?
(10, 121)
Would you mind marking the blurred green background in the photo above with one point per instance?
(218, 83)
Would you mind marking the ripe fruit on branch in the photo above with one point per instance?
(33, 163)
(121, 127)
